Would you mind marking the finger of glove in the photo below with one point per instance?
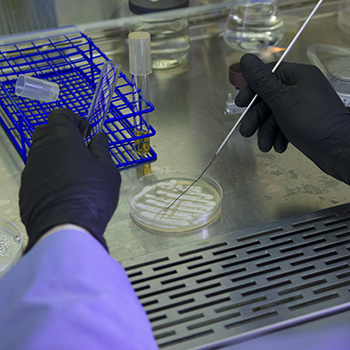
(67, 118)
(244, 96)
(281, 143)
(260, 78)
(254, 118)
(267, 134)
(270, 135)
(99, 146)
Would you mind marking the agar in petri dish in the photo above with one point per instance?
(10, 245)
(150, 195)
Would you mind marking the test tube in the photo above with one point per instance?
(140, 67)
(102, 98)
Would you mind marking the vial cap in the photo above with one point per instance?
(140, 7)
(140, 53)
(235, 75)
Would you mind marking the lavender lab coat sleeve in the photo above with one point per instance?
(68, 293)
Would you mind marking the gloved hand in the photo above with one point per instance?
(296, 104)
(66, 182)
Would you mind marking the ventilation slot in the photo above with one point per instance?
(278, 302)
(237, 247)
(193, 291)
(264, 289)
(302, 286)
(290, 273)
(162, 291)
(153, 277)
(278, 260)
(158, 318)
(164, 335)
(325, 271)
(325, 232)
(210, 247)
(334, 261)
(241, 304)
(182, 262)
(138, 273)
(332, 245)
(221, 275)
(335, 222)
(292, 233)
(255, 274)
(214, 320)
(259, 234)
(314, 301)
(270, 246)
(210, 262)
(313, 221)
(313, 258)
(334, 286)
(188, 276)
(303, 245)
(147, 263)
(180, 321)
(170, 306)
(246, 260)
(186, 339)
(202, 306)
(252, 319)
(232, 289)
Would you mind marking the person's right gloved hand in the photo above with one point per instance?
(296, 104)
(67, 182)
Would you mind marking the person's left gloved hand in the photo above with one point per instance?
(66, 182)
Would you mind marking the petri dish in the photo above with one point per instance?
(150, 195)
(10, 245)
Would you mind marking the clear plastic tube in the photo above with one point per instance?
(140, 68)
(141, 123)
(103, 96)
(37, 89)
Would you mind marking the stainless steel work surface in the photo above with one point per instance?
(235, 287)
(189, 119)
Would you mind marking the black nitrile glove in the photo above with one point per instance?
(296, 104)
(66, 182)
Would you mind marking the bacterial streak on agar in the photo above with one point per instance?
(251, 102)
(190, 186)
(151, 199)
(5, 244)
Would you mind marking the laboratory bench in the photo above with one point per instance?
(264, 195)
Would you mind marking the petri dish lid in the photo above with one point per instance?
(10, 245)
(151, 194)
(340, 68)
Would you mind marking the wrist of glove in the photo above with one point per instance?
(296, 104)
(64, 181)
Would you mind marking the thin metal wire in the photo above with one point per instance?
(191, 185)
(251, 102)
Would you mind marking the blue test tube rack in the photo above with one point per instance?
(69, 58)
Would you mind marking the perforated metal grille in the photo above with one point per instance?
(248, 282)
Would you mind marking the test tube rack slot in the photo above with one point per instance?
(69, 58)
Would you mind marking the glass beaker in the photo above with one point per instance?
(344, 16)
(254, 24)
(167, 22)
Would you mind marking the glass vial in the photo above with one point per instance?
(253, 25)
(167, 22)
